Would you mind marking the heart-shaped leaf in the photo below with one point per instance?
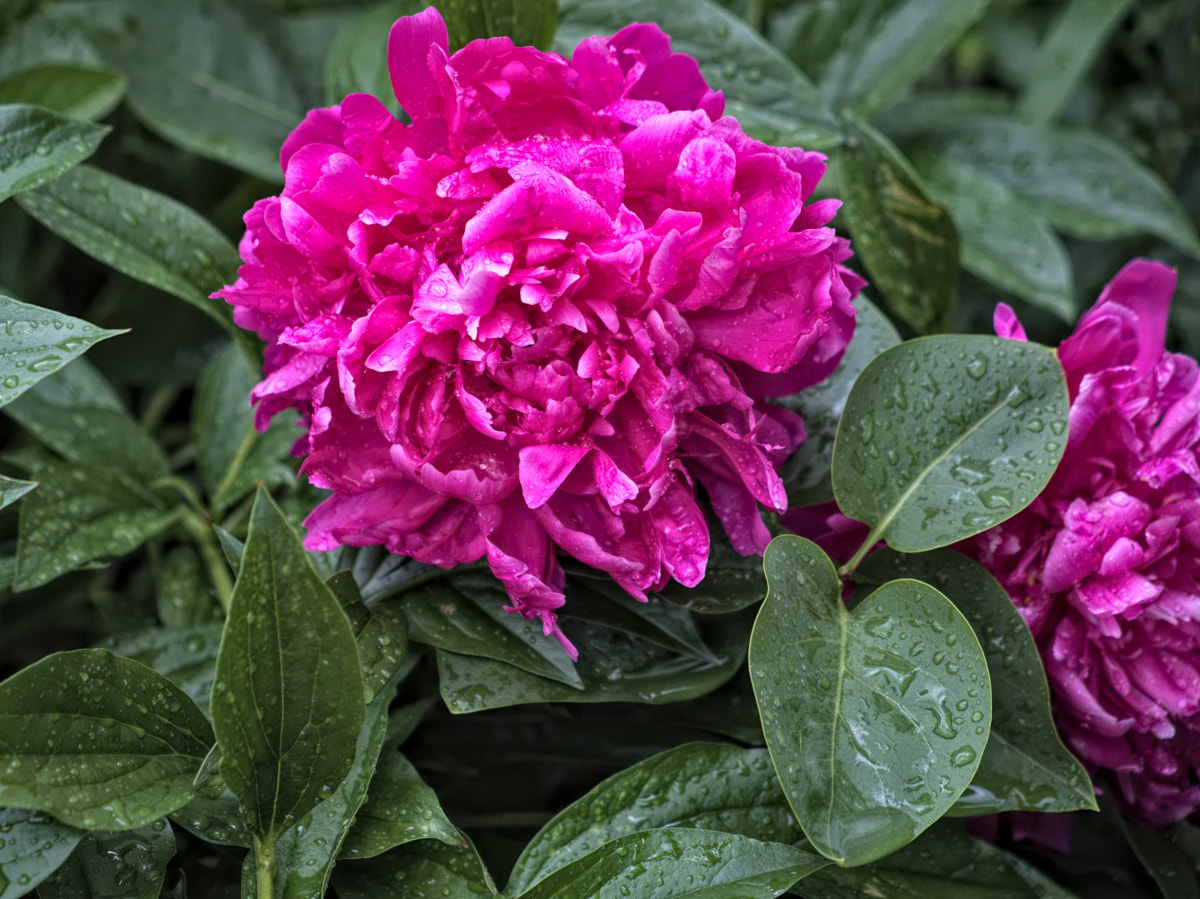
(875, 719)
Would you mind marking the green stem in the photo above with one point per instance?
(210, 552)
(264, 868)
(860, 554)
(239, 459)
(159, 405)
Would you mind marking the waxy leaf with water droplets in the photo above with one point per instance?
(807, 473)
(37, 146)
(288, 705)
(12, 489)
(81, 513)
(875, 718)
(75, 91)
(126, 865)
(906, 241)
(98, 741)
(186, 655)
(437, 869)
(617, 668)
(399, 808)
(771, 99)
(143, 234)
(945, 437)
(36, 342)
(945, 862)
(677, 862)
(32, 846)
(711, 786)
(465, 614)
(1025, 765)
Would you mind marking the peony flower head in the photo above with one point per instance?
(1105, 564)
(537, 317)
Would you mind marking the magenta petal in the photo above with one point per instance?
(544, 468)
(409, 43)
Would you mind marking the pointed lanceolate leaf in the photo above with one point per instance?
(711, 786)
(36, 342)
(98, 741)
(127, 865)
(1025, 765)
(75, 91)
(679, 862)
(140, 233)
(39, 145)
(34, 846)
(906, 241)
(440, 869)
(12, 489)
(875, 719)
(945, 437)
(288, 705)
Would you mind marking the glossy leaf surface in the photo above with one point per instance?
(125, 865)
(34, 845)
(75, 91)
(39, 145)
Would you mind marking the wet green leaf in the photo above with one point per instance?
(357, 61)
(32, 846)
(768, 95)
(1025, 765)
(678, 862)
(945, 862)
(69, 90)
(906, 241)
(400, 808)
(876, 719)
(230, 452)
(527, 22)
(186, 655)
(99, 741)
(143, 234)
(37, 146)
(905, 43)
(287, 706)
(37, 342)
(1000, 239)
(807, 473)
(12, 489)
(616, 668)
(184, 598)
(944, 437)
(464, 614)
(79, 514)
(126, 865)
(1086, 185)
(710, 786)
(1168, 865)
(216, 820)
(439, 869)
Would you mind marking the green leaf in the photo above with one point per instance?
(79, 385)
(615, 667)
(34, 846)
(400, 808)
(731, 581)
(945, 437)
(205, 76)
(38, 342)
(104, 438)
(677, 862)
(127, 865)
(1076, 38)
(1025, 765)
(807, 473)
(39, 145)
(230, 452)
(143, 234)
(1086, 185)
(876, 719)
(909, 40)
(906, 241)
(74, 91)
(464, 613)
(527, 22)
(1168, 865)
(441, 870)
(216, 820)
(186, 655)
(1000, 239)
(382, 645)
(304, 856)
(711, 786)
(98, 741)
(945, 862)
(183, 597)
(769, 96)
(357, 61)
(287, 706)
(12, 489)
(79, 514)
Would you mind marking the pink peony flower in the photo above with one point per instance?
(1105, 564)
(532, 320)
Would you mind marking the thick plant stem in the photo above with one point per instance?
(264, 868)
(210, 552)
